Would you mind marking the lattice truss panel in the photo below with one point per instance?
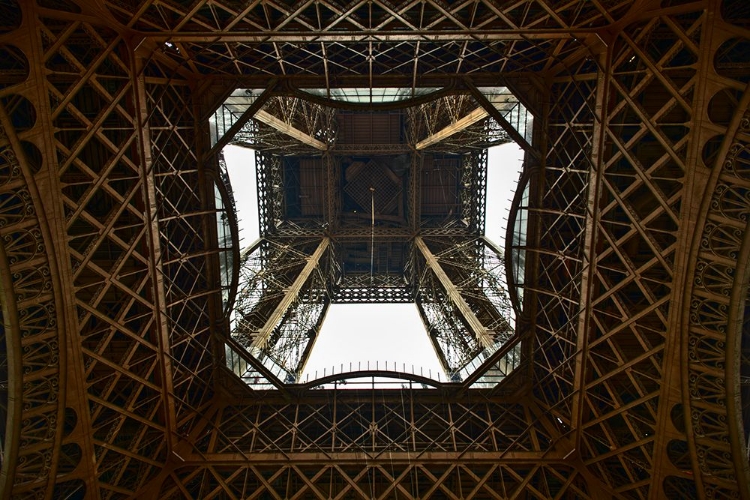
(636, 140)
(309, 129)
(389, 480)
(473, 197)
(471, 180)
(340, 422)
(85, 118)
(32, 415)
(413, 442)
(650, 91)
(476, 272)
(427, 120)
(715, 321)
(270, 184)
(715, 312)
(272, 203)
(117, 414)
(262, 323)
(324, 38)
(557, 222)
(311, 120)
(444, 119)
(371, 288)
(185, 217)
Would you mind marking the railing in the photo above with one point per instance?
(374, 374)
(387, 367)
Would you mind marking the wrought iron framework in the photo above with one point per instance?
(118, 376)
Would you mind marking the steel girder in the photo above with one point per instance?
(282, 299)
(622, 179)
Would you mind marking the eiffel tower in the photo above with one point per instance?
(602, 352)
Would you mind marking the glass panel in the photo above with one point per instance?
(226, 252)
(372, 95)
(237, 364)
(230, 111)
(518, 245)
(512, 110)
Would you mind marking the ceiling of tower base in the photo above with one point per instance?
(374, 188)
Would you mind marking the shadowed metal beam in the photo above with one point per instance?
(285, 128)
(242, 120)
(499, 118)
(155, 255)
(589, 253)
(314, 336)
(391, 36)
(433, 339)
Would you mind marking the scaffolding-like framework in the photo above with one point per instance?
(119, 363)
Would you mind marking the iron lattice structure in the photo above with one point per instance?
(628, 246)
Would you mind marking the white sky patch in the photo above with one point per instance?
(241, 167)
(504, 168)
(355, 334)
(378, 333)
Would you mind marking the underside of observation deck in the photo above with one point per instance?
(364, 202)
(124, 372)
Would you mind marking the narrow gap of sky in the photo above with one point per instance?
(354, 333)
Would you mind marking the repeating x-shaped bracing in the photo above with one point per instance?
(461, 296)
(92, 106)
(401, 424)
(557, 221)
(411, 480)
(282, 297)
(647, 141)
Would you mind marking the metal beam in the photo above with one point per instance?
(241, 121)
(166, 366)
(481, 333)
(589, 251)
(433, 339)
(467, 121)
(415, 192)
(285, 128)
(261, 338)
(315, 334)
(320, 457)
(499, 118)
(358, 36)
(331, 192)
